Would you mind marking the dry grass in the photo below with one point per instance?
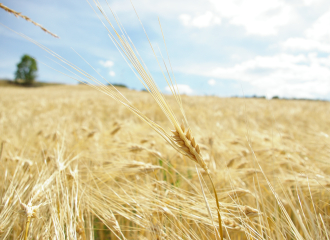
(89, 169)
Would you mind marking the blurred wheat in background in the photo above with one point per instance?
(91, 170)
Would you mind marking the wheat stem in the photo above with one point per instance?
(27, 227)
(218, 207)
(1, 149)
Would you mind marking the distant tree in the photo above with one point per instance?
(275, 97)
(26, 70)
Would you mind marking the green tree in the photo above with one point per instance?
(26, 70)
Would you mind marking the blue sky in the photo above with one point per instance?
(224, 48)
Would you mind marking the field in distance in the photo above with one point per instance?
(88, 168)
(11, 83)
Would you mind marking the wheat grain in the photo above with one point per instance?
(114, 131)
(238, 193)
(187, 144)
(250, 212)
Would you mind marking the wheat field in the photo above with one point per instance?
(75, 164)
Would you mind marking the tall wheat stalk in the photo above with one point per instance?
(181, 137)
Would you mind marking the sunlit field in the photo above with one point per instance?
(75, 164)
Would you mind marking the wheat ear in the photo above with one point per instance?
(18, 14)
(187, 144)
(31, 212)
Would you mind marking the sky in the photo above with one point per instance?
(216, 47)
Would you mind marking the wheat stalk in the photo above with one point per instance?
(31, 212)
(18, 14)
(1, 150)
(183, 141)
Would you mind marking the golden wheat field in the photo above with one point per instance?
(75, 164)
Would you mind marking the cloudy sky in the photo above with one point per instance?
(224, 48)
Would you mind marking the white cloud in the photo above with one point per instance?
(183, 89)
(311, 2)
(205, 20)
(283, 75)
(305, 44)
(185, 19)
(317, 37)
(211, 82)
(257, 16)
(320, 29)
(106, 63)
